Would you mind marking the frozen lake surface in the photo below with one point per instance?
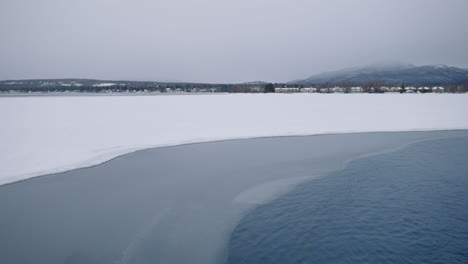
(170, 205)
(42, 135)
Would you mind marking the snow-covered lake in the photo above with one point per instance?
(42, 135)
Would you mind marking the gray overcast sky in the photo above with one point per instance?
(224, 41)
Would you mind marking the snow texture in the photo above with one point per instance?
(43, 135)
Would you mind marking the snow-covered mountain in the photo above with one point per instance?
(392, 73)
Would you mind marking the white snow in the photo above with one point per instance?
(42, 135)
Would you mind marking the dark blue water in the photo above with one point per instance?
(409, 206)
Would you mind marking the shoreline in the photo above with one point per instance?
(119, 152)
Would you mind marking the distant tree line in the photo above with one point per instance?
(91, 87)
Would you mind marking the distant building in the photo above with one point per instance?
(309, 90)
(438, 89)
(287, 90)
(257, 89)
(356, 89)
(394, 89)
(385, 89)
(411, 89)
(337, 90)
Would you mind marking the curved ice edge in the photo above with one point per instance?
(111, 153)
(268, 191)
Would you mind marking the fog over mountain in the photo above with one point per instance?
(392, 74)
(224, 41)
